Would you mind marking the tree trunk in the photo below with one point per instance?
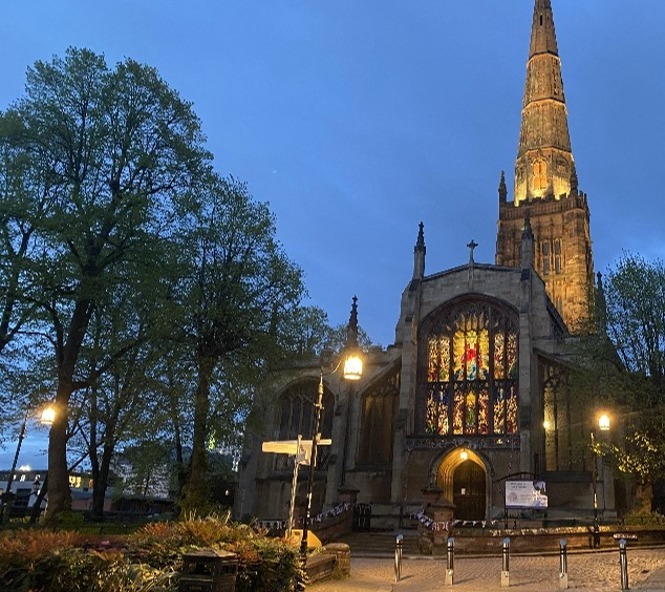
(36, 510)
(100, 485)
(196, 492)
(643, 497)
(59, 496)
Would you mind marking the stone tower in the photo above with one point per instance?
(545, 186)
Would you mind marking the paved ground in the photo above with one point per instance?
(587, 572)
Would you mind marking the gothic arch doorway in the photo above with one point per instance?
(469, 491)
(462, 475)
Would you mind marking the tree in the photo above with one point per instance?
(115, 150)
(237, 285)
(635, 323)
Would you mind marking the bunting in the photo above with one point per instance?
(430, 524)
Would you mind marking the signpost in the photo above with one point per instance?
(301, 451)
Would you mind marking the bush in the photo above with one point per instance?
(264, 564)
(147, 561)
(642, 518)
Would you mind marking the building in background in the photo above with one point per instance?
(461, 400)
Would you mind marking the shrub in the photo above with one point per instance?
(264, 564)
(642, 518)
(148, 561)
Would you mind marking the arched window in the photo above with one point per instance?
(539, 175)
(380, 405)
(296, 416)
(469, 370)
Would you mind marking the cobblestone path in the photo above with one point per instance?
(587, 572)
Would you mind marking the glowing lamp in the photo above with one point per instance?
(604, 422)
(48, 415)
(353, 367)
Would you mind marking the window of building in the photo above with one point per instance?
(379, 412)
(557, 255)
(539, 175)
(546, 255)
(296, 416)
(566, 435)
(470, 378)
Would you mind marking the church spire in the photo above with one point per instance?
(543, 37)
(555, 239)
(544, 156)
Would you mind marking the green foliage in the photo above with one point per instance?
(635, 295)
(265, 564)
(622, 368)
(67, 520)
(642, 518)
(129, 267)
(148, 560)
(640, 454)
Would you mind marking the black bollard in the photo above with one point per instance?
(623, 561)
(450, 570)
(563, 564)
(505, 563)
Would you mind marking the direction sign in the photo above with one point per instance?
(303, 452)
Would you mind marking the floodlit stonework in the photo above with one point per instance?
(460, 401)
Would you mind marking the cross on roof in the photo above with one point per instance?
(472, 245)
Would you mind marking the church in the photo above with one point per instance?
(470, 398)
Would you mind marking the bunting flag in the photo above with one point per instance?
(430, 524)
(281, 524)
(336, 511)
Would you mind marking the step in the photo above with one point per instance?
(380, 542)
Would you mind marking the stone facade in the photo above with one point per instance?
(460, 401)
(546, 188)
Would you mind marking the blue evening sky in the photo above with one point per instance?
(357, 119)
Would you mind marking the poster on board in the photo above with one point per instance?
(526, 495)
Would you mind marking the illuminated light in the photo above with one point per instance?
(48, 415)
(464, 455)
(547, 425)
(604, 422)
(353, 367)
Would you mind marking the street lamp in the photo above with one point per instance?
(47, 418)
(352, 370)
(603, 426)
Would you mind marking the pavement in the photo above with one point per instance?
(597, 571)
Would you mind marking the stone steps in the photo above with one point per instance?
(380, 542)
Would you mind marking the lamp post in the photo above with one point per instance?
(353, 368)
(47, 417)
(603, 426)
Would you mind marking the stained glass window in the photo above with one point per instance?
(471, 371)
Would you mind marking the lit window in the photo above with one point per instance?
(545, 252)
(471, 374)
(557, 256)
(539, 175)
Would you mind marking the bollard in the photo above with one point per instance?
(505, 563)
(450, 568)
(623, 561)
(399, 540)
(563, 564)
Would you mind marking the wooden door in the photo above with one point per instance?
(469, 491)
